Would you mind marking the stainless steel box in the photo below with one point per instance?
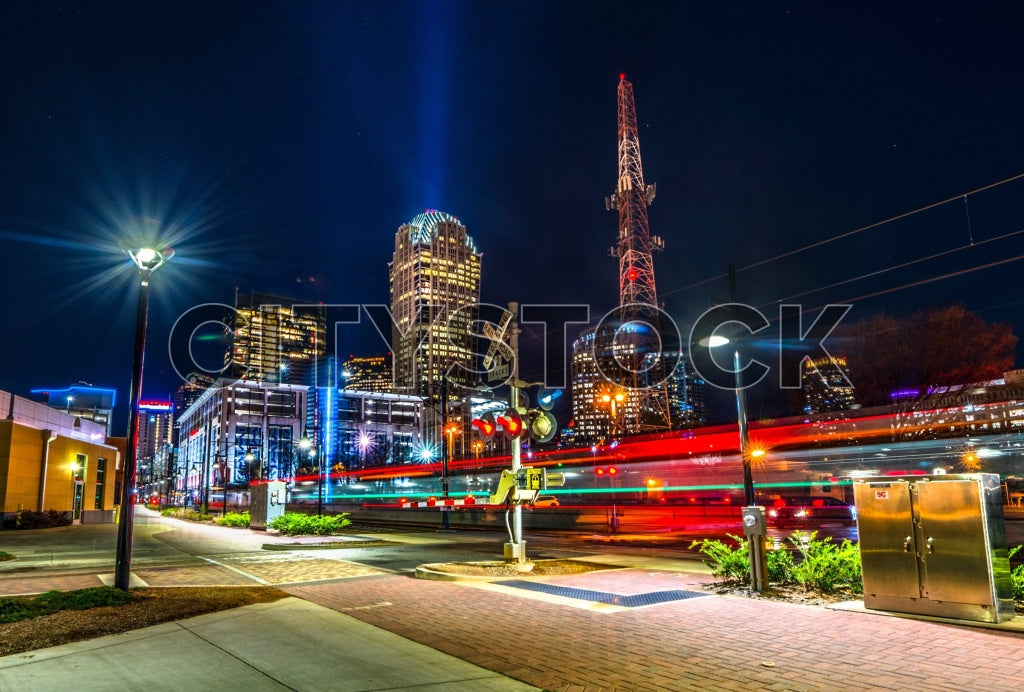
(935, 545)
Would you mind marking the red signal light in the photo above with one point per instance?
(632, 274)
(485, 426)
(511, 422)
(612, 470)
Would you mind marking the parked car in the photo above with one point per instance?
(805, 511)
(546, 501)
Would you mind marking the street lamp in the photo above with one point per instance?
(147, 260)
(613, 401)
(450, 429)
(753, 516)
(306, 445)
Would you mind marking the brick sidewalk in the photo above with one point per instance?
(710, 642)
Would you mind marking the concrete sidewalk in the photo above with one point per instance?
(289, 644)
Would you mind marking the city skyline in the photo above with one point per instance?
(287, 143)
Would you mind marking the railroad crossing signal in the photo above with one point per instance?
(511, 422)
(485, 425)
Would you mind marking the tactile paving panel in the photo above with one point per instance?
(631, 601)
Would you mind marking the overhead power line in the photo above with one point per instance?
(848, 234)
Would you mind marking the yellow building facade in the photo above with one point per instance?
(61, 467)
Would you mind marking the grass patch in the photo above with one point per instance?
(5, 556)
(15, 608)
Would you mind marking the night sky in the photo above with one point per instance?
(278, 146)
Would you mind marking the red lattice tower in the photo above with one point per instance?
(638, 296)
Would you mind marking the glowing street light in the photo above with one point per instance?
(613, 401)
(148, 260)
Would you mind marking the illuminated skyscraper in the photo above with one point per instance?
(826, 385)
(435, 289)
(368, 374)
(276, 339)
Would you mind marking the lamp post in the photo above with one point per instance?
(306, 445)
(753, 517)
(147, 260)
(613, 400)
(450, 429)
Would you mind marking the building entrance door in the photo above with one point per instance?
(76, 507)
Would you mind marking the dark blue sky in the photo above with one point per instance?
(283, 141)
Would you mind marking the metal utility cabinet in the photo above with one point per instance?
(935, 545)
(267, 503)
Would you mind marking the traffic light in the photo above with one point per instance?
(543, 426)
(511, 423)
(485, 425)
(610, 471)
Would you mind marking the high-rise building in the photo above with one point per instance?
(368, 374)
(826, 385)
(156, 425)
(276, 339)
(156, 418)
(686, 395)
(237, 432)
(435, 289)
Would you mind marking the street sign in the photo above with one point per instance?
(497, 360)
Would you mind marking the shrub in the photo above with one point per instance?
(236, 519)
(185, 513)
(780, 566)
(826, 566)
(27, 519)
(1017, 580)
(297, 524)
(725, 561)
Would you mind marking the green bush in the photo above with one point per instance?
(725, 561)
(780, 566)
(14, 608)
(185, 513)
(27, 519)
(826, 566)
(1017, 579)
(297, 524)
(240, 520)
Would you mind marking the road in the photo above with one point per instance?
(162, 544)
